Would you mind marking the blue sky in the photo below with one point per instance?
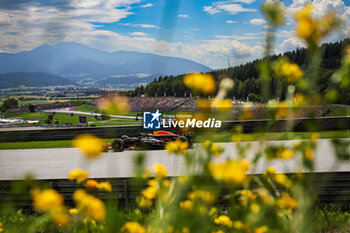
(209, 32)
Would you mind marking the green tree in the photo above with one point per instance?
(8, 104)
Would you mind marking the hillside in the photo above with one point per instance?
(246, 77)
(79, 62)
(34, 79)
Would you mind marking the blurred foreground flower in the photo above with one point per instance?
(178, 146)
(46, 200)
(203, 83)
(231, 171)
(132, 227)
(287, 202)
(105, 186)
(1, 228)
(90, 206)
(50, 201)
(113, 104)
(160, 170)
(213, 148)
(223, 220)
(261, 229)
(274, 12)
(79, 175)
(90, 145)
(287, 70)
(313, 30)
(91, 184)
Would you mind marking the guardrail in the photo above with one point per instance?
(330, 188)
(248, 126)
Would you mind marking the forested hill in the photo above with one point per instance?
(246, 76)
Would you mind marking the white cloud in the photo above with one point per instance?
(234, 8)
(226, 6)
(231, 21)
(139, 25)
(183, 16)
(290, 44)
(146, 5)
(210, 10)
(257, 21)
(244, 36)
(138, 34)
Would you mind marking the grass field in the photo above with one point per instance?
(270, 136)
(224, 137)
(17, 221)
(68, 119)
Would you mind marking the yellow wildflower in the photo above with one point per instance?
(309, 154)
(144, 202)
(46, 200)
(149, 193)
(213, 211)
(270, 170)
(238, 225)
(160, 170)
(264, 196)
(282, 179)
(91, 184)
(132, 227)
(183, 179)
(286, 154)
(186, 205)
(213, 148)
(113, 104)
(274, 12)
(73, 211)
(249, 194)
(315, 137)
(178, 146)
(223, 220)
(287, 202)
(90, 145)
(261, 229)
(313, 30)
(1, 228)
(231, 171)
(89, 205)
(185, 230)
(255, 208)
(206, 196)
(60, 217)
(106, 186)
(289, 71)
(50, 201)
(222, 105)
(79, 175)
(219, 231)
(204, 83)
(170, 229)
(282, 110)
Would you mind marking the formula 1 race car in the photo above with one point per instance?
(154, 141)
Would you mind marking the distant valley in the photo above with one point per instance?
(73, 63)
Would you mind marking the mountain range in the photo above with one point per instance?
(31, 79)
(85, 65)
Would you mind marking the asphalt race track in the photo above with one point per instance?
(57, 163)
